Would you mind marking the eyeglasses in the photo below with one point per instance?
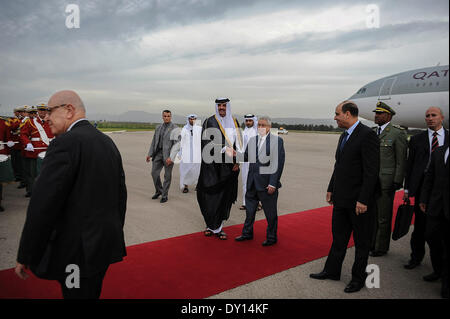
(50, 109)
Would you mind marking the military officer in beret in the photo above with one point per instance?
(393, 150)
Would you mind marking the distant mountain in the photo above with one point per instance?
(145, 117)
(134, 116)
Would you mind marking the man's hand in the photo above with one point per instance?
(235, 167)
(29, 148)
(169, 161)
(271, 190)
(328, 198)
(148, 159)
(20, 271)
(230, 152)
(423, 207)
(360, 208)
(405, 197)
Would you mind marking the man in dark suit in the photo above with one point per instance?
(162, 153)
(77, 210)
(434, 202)
(420, 148)
(352, 192)
(266, 155)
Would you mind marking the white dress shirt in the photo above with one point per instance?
(440, 136)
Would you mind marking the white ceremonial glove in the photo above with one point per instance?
(29, 148)
(10, 143)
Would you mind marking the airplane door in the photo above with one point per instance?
(386, 89)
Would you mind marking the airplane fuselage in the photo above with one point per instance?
(409, 93)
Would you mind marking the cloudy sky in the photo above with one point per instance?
(287, 58)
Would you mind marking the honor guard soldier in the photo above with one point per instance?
(393, 150)
(46, 134)
(6, 173)
(35, 141)
(15, 151)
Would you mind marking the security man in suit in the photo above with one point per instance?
(420, 147)
(393, 150)
(162, 153)
(15, 150)
(352, 191)
(434, 201)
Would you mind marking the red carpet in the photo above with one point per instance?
(193, 266)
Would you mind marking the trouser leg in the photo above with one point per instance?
(269, 205)
(250, 212)
(167, 179)
(418, 235)
(434, 238)
(157, 166)
(90, 287)
(341, 231)
(362, 225)
(383, 224)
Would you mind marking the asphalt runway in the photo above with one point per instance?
(309, 163)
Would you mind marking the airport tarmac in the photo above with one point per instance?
(309, 164)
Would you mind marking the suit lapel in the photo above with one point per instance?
(352, 137)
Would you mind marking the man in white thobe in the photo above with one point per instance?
(251, 130)
(190, 152)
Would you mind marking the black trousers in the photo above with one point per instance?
(30, 172)
(344, 222)
(418, 235)
(436, 228)
(269, 205)
(16, 160)
(90, 287)
(446, 255)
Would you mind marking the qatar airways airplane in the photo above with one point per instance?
(409, 93)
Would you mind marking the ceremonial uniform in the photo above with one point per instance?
(36, 140)
(393, 150)
(15, 151)
(5, 168)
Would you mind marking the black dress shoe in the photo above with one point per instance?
(431, 277)
(1, 208)
(163, 199)
(269, 242)
(412, 264)
(186, 190)
(353, 286)
(324, 275)
(242, 238)
(377, 253)
(28, 194)
(156, 195)
(21, 186)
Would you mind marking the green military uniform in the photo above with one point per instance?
(393, 151)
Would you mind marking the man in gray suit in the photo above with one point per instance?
(164, 147)
(266, 155)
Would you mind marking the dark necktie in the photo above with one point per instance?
(434, 142)
(379, 130)
(344, 140)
